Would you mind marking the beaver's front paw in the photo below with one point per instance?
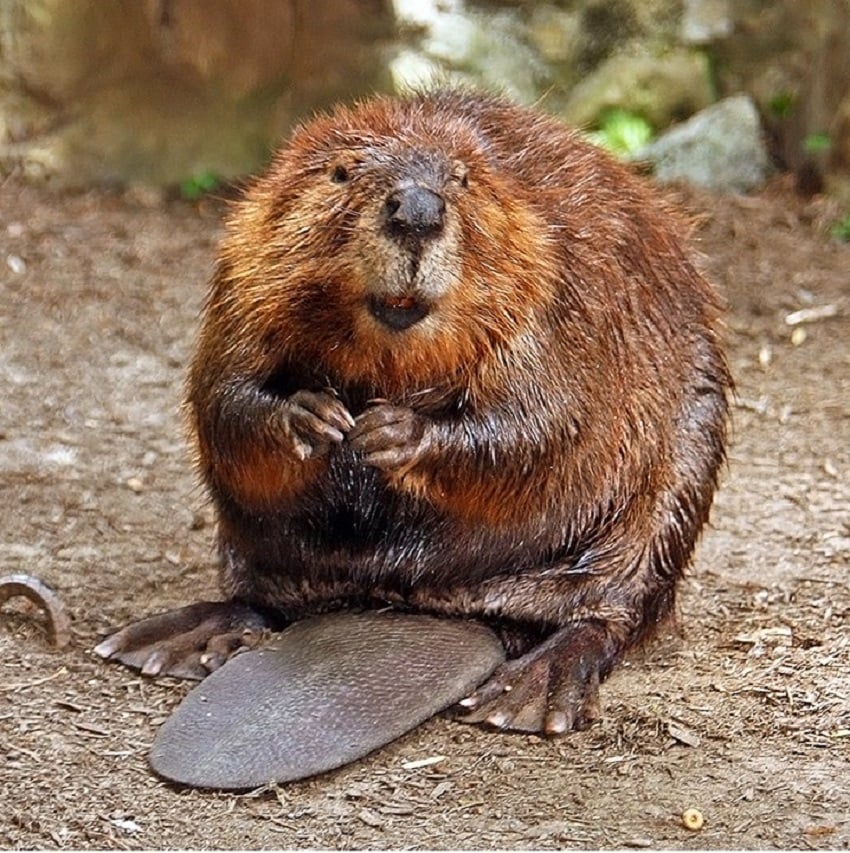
(189, 642)
(392, 438)
(315, 420)
(552, 689)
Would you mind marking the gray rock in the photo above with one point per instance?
(720, 148)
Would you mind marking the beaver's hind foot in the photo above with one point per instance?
(190, 642)
(554, 688)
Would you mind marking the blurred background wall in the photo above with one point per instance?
(161, 91)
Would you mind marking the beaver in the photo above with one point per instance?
(457, 361)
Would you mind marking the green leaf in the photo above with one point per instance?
(781, 104)
(622, 132)
(198, 185)
(816, 142)
(841, 229)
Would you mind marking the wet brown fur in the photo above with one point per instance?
(568, 381)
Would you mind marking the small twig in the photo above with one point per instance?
(17, 686)
(810, 315)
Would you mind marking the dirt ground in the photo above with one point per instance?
(742, 711)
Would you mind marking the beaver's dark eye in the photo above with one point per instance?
(460, 174)
(339, 174)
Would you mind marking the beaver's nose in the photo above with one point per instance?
(414, 211)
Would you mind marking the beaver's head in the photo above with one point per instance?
(403, 248)
(388, 245)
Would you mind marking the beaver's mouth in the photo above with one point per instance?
(397, 312)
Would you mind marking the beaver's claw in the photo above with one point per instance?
(554, 688)
(189, 642)
(391, 438)
(314, 421)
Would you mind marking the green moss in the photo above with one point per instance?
(781, 105)
(198, 185)
(814, 143)
(841, 229)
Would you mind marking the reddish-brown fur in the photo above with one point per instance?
(539, 450)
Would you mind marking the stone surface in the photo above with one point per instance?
(704, 21)
(793, 59)
(163, 90)
(720, 148)
(662, 88)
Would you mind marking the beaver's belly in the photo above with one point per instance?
(354, 540)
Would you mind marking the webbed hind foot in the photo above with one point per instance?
(189, 642)
(553, 689)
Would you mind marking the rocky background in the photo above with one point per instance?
(191, 92)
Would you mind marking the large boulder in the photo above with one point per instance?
(720, 148)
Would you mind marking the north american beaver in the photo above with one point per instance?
(454, 360)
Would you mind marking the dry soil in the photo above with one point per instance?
(741, 710)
